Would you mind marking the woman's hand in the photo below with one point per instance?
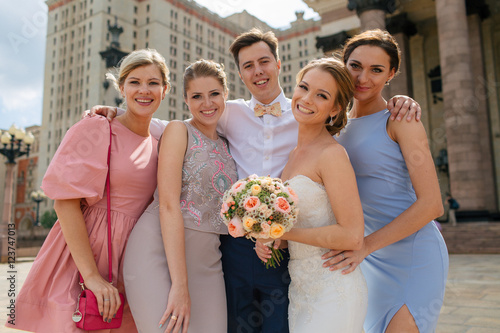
(102, 110)
(178, 310)
(108, 298)
(346, 260)
(401, 105)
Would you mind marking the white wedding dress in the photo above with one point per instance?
(321, 301)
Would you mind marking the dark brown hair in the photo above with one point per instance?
(375, 37)
(345, 89)
(251, 37)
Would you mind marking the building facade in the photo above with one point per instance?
(181, 30)
(451, 66)
(25, 182)
(439, 39)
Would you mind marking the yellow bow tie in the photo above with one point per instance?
(274, 109)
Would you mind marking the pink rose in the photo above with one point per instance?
(238, 186)
(235, 227)
(224, 209)
(282, 205)
(251, 203)
(292, 194)
(266, 228)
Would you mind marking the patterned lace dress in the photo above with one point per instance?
(208, 171)
(321, 300)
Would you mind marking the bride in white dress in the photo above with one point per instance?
(330, 215)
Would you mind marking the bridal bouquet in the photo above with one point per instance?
(260, 207)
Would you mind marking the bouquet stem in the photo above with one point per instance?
(276, 256)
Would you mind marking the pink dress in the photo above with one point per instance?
(48, 297)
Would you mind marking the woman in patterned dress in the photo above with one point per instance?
(173, 270)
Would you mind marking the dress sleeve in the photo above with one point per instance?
(222, 123)
(79, 166)
(157, 127)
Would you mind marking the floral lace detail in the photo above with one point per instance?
(208, 171)
(310, 281)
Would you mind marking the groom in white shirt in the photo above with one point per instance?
(261, 133)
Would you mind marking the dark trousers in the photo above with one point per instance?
(257, 298)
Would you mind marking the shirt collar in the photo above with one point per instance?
(281, 98)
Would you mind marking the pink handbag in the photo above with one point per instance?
(86, 315)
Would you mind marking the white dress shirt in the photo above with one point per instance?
(259, 145)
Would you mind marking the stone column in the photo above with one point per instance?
(481, 107)
(402, 28)
(461, 119)
(371, 13)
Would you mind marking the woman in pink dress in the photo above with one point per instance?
(76, 180)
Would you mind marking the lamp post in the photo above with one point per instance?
(15, 143)
(38, 196)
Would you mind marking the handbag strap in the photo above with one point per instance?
(108, 200)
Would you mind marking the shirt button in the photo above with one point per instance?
(267, 157)
(267, 121)
(268, 137)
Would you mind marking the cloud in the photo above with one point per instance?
(22, 58)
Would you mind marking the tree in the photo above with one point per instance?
(48, 219)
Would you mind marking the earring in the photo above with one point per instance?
(331, 121)
(387, 83)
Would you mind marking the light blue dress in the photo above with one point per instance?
(412, 271)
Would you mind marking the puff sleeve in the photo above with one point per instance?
(79, 166)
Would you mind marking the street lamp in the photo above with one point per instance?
(15, 143)
(37, 196)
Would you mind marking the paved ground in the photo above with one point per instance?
(472, 301)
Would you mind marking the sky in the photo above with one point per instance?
(23, 26)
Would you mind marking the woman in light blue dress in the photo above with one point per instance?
(404, 257)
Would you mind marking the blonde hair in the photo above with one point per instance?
(205, 68)
(345, 88)
(137, 59)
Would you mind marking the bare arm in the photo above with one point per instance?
(76, 235)
(337, 175)
(170, 162)
(401, 105)
(414, 146)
